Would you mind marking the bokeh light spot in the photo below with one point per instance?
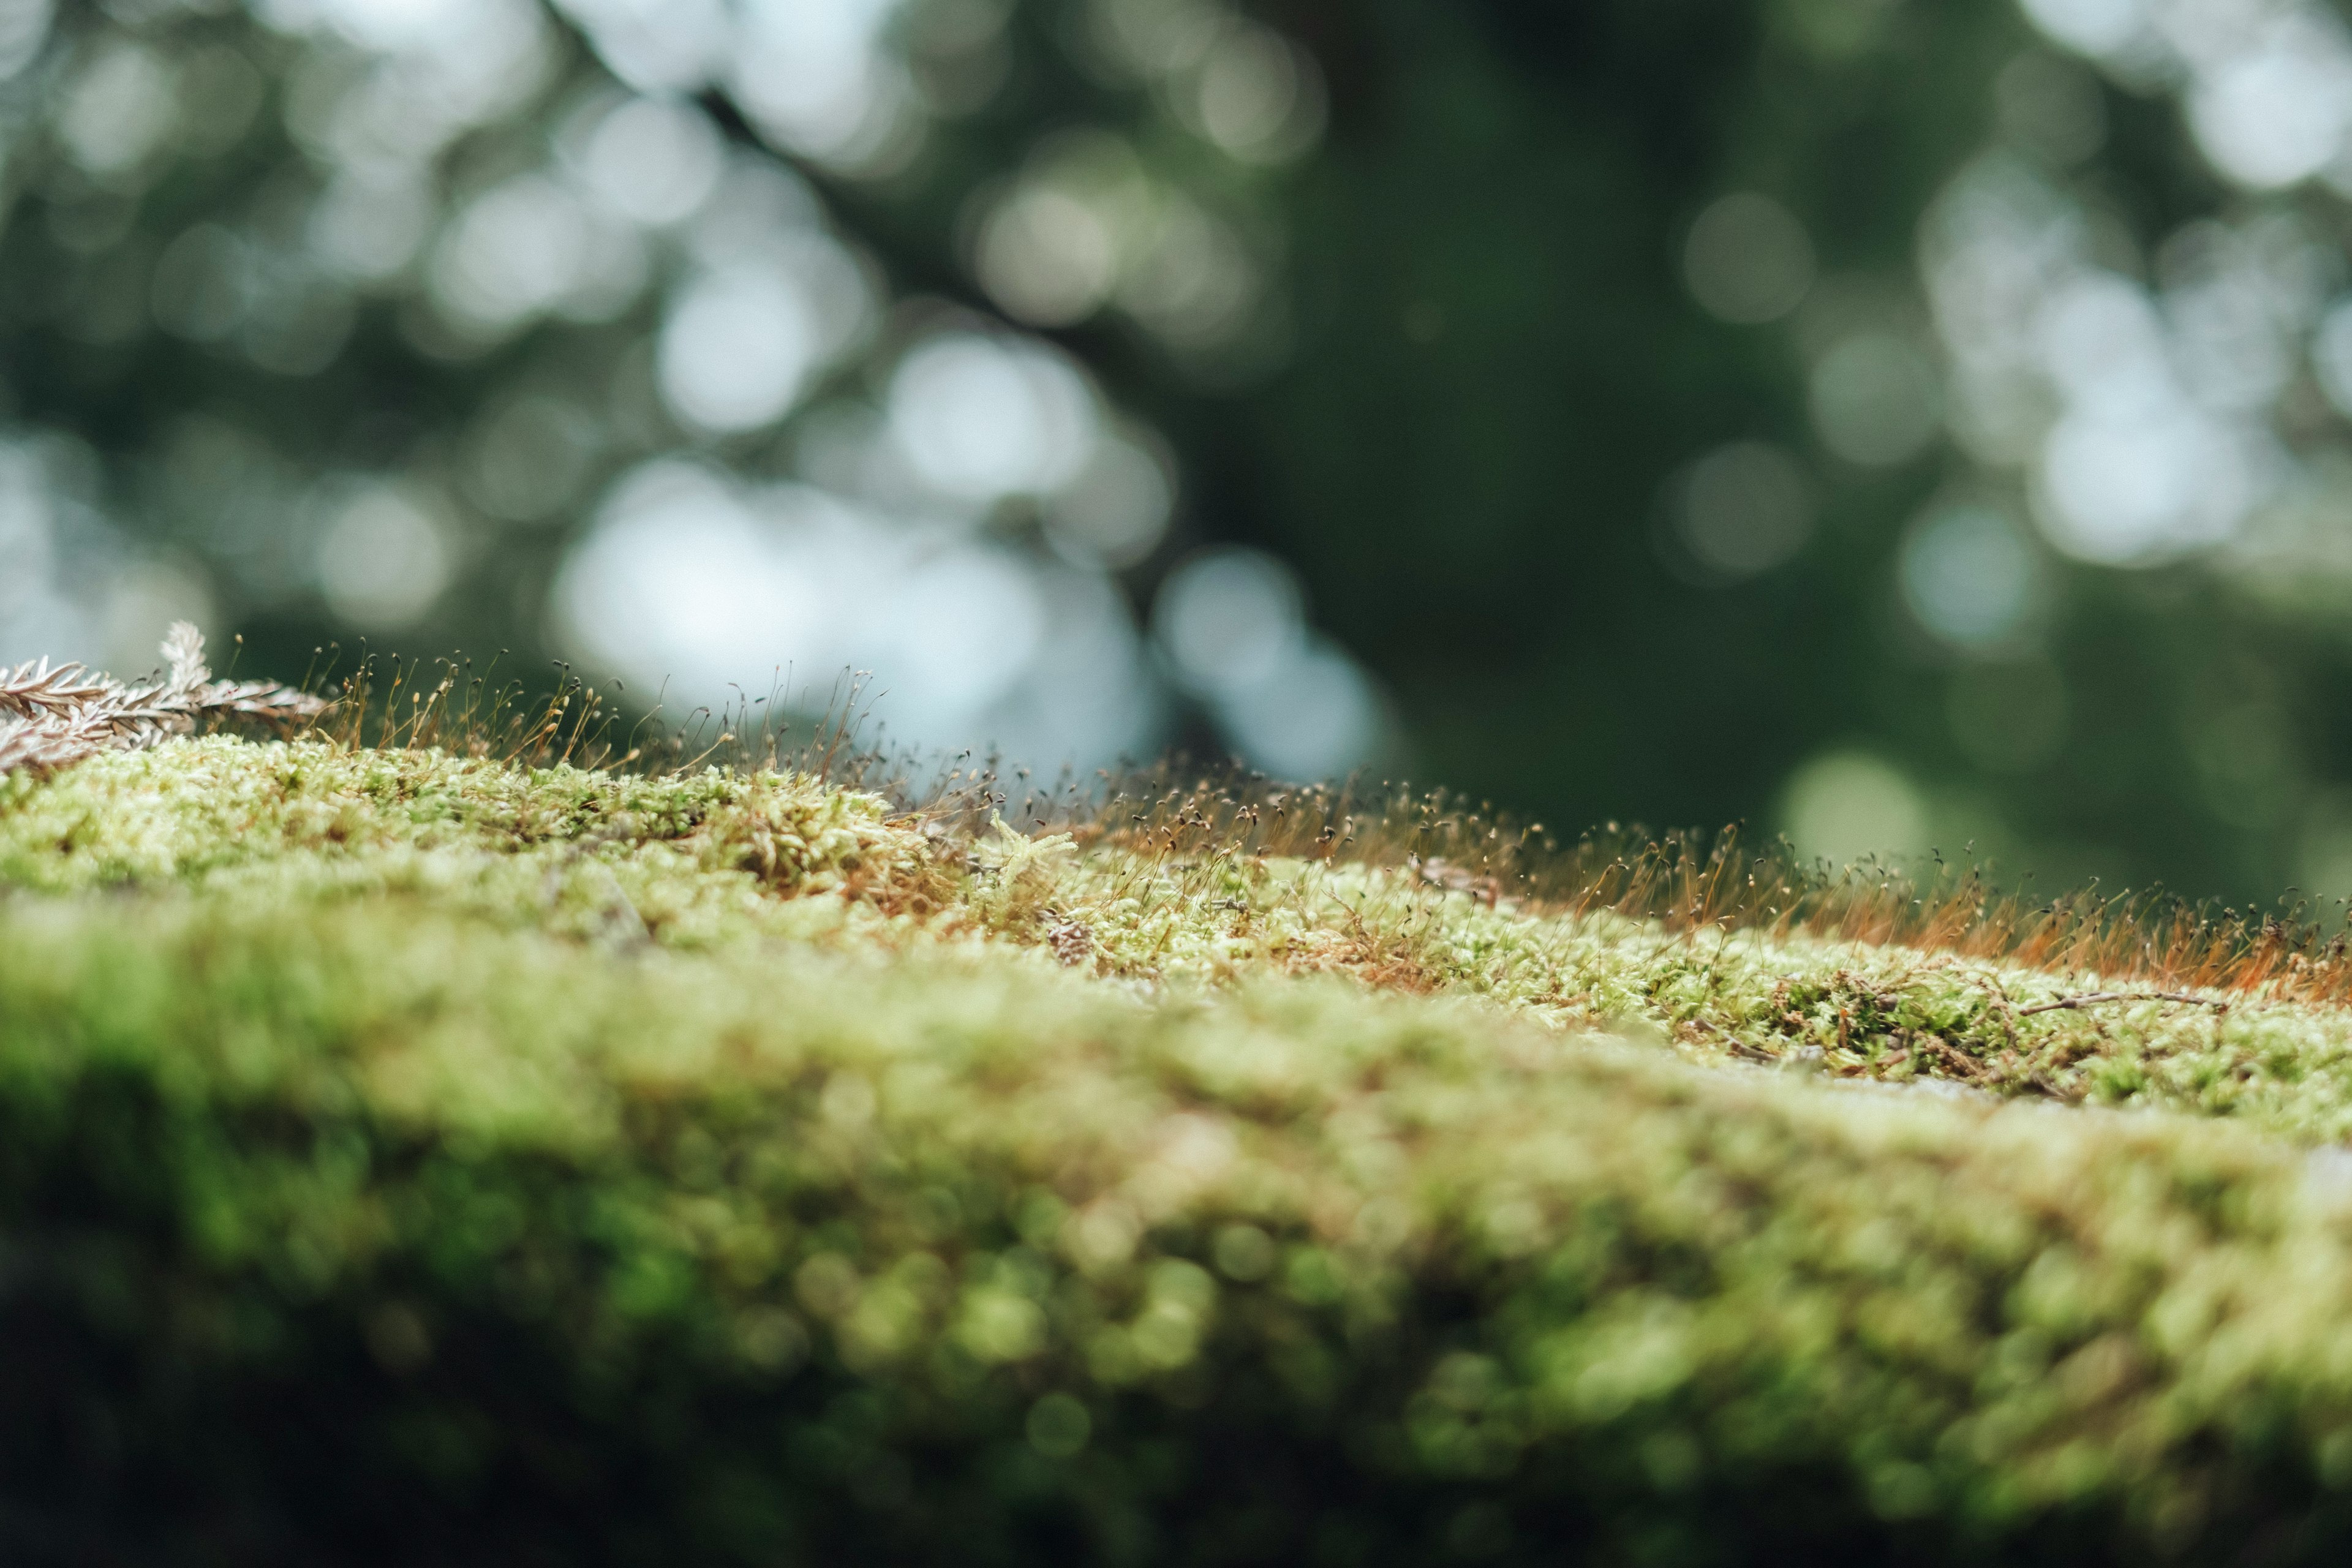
(655, 46)
(1745, 508)
(1747, 260)
(528, 456)
(1847, 806)
(1154, 37)
(1047, 256)
(2121, 490)
(1256, 98)
(815, 76)
(682, 588)
(394, 24)
(1232, 627)
(1229, 619)
(1876, 399)
(2275, 115)
(2093, 26)
(23, 29)
(144, 595)
(712, 593)
(737, 350)
(1115, 511)
(1195, 285)
(370, 222)
(1971, 577)
(383, 559)
(653, 161)
(1317, 718)
(119, 110)
(980, 417)
(515, 251)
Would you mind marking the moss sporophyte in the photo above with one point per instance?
(412, 1151)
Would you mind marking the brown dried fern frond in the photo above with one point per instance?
(37, 691)
(53, 716)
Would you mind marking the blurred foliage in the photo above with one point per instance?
(1504, 368)
(1462, 395)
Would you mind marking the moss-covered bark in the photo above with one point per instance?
(410, 1158)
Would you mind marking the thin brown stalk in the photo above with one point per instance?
(2102, 998)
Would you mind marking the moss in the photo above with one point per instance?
(410, 1158)
(695, 858)
(1849, 1010)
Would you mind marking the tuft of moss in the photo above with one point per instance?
(405, 1158)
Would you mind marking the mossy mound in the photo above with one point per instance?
(411, 1159)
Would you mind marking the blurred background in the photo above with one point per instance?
(1906, 425)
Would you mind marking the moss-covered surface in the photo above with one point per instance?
(413, 1159)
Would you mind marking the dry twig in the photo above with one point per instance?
(2096, 998)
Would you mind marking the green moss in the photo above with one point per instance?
(407, 1158)
(1848, 1010)
(713, 857)
(690, 858)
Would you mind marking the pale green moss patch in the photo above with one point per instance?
(1845, 1010)
(687, 858)
(698, 859)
